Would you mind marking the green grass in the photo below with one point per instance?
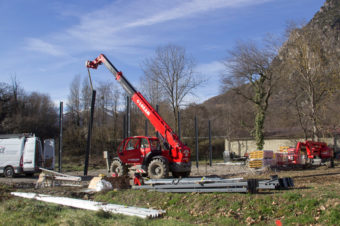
(72, 167)
(317, 204)
(28, 212)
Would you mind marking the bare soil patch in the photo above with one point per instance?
(302, 177)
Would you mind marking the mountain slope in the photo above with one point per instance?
(233, 116)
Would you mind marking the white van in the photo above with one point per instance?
(23, 154)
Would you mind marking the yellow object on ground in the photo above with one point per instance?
(259, 159)
(94, 182)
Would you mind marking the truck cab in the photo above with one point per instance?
(139, 150)
(143, 154)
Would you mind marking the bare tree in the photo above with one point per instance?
(86, 94)
(73, 103)
(152, 90)
(172, 71)
(17, 94)
(116, 95)
(312, 78)
(249, 74)
(104, 100)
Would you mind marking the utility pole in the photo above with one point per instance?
(89, 133)
(60, 134)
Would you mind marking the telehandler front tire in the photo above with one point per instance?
(118, 168)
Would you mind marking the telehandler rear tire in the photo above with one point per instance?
(158, 169)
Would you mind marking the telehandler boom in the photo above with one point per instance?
(156, 162)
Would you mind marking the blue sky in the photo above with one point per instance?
(45, 43)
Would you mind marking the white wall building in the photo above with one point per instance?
(242, 146)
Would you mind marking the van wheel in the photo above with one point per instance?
(118, 168)
(9, 172)
(158, 169)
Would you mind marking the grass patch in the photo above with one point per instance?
(310, 203)
(332, 217)
(182, 209)
(292, 196)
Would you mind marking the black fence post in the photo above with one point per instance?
(179, 124)
(60, 135)
(89, 133)
(124, 127)
(210, 147)
(196, 139)
(146, 128)
(128, 118)
(157, 135)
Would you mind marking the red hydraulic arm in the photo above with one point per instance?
(178, 151)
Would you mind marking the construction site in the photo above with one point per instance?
(244, 136)
(156, 182)
(218, 195)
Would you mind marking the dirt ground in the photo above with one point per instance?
(314, 197)
(302, 177)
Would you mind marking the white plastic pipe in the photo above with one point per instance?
(92, 205)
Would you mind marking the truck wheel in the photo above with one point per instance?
(9, 171)
(118, 168)
(158, 169)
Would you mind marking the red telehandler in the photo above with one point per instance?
(311, 153)
(146, 153)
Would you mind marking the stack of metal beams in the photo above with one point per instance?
(215, 184)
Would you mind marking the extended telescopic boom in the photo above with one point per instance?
(179, 151)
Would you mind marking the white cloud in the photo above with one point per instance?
(190, 8)
(211, 69)
(120, 26)
(44, 47)
(130, 30)
(212, 72)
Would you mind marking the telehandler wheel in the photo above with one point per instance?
(118, 168)
(9, 172)
(158, 169)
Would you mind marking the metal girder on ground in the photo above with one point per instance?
(191, 180)
(204, 190)
(216, 185)
(52, 178)
(201, 185)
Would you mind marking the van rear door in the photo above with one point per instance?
(29, 155)
(49, 154)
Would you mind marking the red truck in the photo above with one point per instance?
(310, 153)
(146, 153)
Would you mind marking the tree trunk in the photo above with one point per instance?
(259, 125)
(314, 117)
